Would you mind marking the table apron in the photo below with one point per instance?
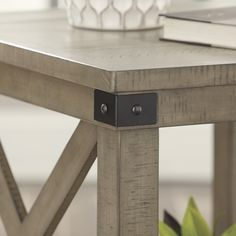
(175, 107)
(196, 106)
(47, 91)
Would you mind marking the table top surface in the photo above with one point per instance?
(111, 61)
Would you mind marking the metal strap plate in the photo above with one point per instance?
(125, 110)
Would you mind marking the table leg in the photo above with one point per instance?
(128, 182)
(225, 176)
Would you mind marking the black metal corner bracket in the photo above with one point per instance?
(125, 110)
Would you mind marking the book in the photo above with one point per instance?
(213, 27)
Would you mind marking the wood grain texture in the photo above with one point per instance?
(196, 106)
(12, 209)
(175, 107)
(181, 76)
(127, 182)
(225, 176)
(48, 92)
(62, 184)
(109, 61)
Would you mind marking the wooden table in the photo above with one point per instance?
(123, 87)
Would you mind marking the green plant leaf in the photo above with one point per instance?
(165, 230)
(231, 231)
(172, 223)
(193, 204)
(194, 223)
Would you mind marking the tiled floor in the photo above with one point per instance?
(80, 219)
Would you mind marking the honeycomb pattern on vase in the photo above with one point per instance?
(116, 14)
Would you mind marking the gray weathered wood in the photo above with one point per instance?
(175, 107)
(58, 192)
(196, 106)
(127, 182)
(62, 184)
(47, 63)
(48, 92)
(12, 209)
(110, 61)
(225, 176)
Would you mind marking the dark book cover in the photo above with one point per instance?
(218, 15)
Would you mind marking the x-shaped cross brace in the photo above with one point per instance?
(57, 193)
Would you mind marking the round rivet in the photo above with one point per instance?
(104, 109)
(137, 110)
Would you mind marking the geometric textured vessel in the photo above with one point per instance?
(116, 14)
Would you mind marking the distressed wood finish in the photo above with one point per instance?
(12, 185)
(196, 106)
(175, 107)
(225, 176)
(127, 182)
(180, 76)
(58, 192)
(110, 61)
(47, 63)
(12, 209)
(46, 91)
(63, 183)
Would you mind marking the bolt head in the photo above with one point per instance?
(104, 109)
(137, 110)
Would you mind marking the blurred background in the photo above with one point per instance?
(34, 138)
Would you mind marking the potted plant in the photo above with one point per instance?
(193, 224)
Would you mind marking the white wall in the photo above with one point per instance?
(22, 5)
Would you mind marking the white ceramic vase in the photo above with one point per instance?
(116, 14)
